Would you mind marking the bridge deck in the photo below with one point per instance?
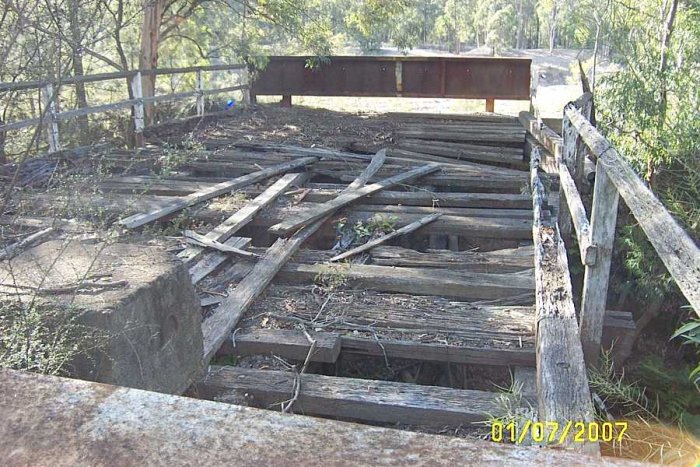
(450, 304)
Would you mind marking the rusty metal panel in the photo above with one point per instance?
(463, 77)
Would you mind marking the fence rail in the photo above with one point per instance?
(614, 178)
(51, 88)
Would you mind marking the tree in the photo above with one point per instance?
(501, 29)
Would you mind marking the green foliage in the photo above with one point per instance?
(650, 111)
(44, 339)
(690, 333)
(501, 28)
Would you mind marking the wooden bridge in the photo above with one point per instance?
(476, 274)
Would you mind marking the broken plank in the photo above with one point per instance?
(463, 285)
(378, 241)
(217, 190)
(289, 225)
(374, 165)
(226, 317)
(498, 261)
(208, 264)
(217, 327)
(286, 343)
(357, 399)
(238, 220)
(204, 242)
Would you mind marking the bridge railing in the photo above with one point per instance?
(50, 90)
(614, 178)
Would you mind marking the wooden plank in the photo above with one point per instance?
(210, 261)
(544, 135)
(285, 343)
(217, 327)
(492, 138)
(473, 117)
(204, 242)
(479, 227)
(461, 182)
(464, 285)
(357, 399)
(384, 238)
(11, 250)
(217, 190)
(562, 384)
(425, 328)
(289, 225)
(390, 210)
(244, 215)
(422, 198)
(392, 348)
(489, 261)
(454, 151)
(674, 246)
(375, 164)
(587, 248)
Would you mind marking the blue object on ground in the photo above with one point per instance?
(230, 103)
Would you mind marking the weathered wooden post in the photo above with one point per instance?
(490, 104)
(52, 127)
(200, 92)
(595, 281)
(567, 157)
(137, 91)
(585, 106)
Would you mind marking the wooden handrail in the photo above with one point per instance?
(52, 117)
(674, 246)
(4, 87)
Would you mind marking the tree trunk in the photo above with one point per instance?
(78, 70)
(521, 26)
(663, 65)
(148, 58)
(553, 28)
(595, 54)
(3, 158)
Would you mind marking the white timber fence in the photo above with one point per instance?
(614, 179)
(50, 91)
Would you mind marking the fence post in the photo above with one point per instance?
(137, 91)
(595, 281)
(200, 93)
(245, 78)
(52, 127)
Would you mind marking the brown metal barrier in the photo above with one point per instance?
(463, 77)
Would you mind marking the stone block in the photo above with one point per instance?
(140, 296)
